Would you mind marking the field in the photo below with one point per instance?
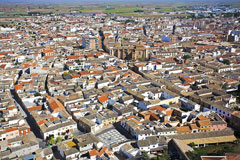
(216, 150)
(127, 10)
(117, 9)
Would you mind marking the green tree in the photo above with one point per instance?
(186, 57)
(226, 61)
(77, 61)
(145, 156)
(224, 86)
(65, 73)
(59, 139)
(51, 140)
(164, 156)
(37, 94)
(192, 144)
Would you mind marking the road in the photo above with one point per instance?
(29, 119)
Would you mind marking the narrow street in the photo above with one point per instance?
(29, 120)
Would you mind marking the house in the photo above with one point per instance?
(127, 99)
(221, 110)
(11, 133)
(20, 146)
(129, 151)
(103, 154)
(88, 125)
(57, 39)
(55, 105)
(68, 150)
(179, 149)
(130, 125)
(166, 131)
(106, 117)
(203, 123)
(203, 138)
(194, 128)
(190, 105)
(47, 52)
(183, 130)
(54, 126)
(152, 144)
(218, 125)
(102, 83)
(123, 110)
(103, 100)
(235, 120)
(85, 142)
(141, 134)
(48, 153)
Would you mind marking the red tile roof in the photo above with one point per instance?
(11, 129)
(18, 87)
(102, 151)
(47, 50)
(93, 152)
(56, 105)
(35, 108)
(84, 73)
(102, 99)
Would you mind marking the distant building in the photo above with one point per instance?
(233, 36)
(133, 52)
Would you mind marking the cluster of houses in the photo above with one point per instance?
(75, 87)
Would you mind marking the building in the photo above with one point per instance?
(134, 52)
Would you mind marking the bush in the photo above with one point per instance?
(139, 10)
(51, 141)
(145, 156)
(37, 94)
(186, 57)
(59, 139)
(226, 61)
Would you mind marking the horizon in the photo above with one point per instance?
(115, 1)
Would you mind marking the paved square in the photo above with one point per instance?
(111, 136)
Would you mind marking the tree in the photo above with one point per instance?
(164, 156)
(186, 57)
(65, 73)
(192, 144)
(77, 61)
(59, 139)
(226, 61)
(224, 86)
(145, 156)
(37, 94)
(51, 140)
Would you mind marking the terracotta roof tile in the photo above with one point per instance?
(102, 99)
(93, 152)
(11, 130)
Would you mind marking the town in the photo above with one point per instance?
(104, 86)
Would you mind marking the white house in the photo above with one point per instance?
(190, 105)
